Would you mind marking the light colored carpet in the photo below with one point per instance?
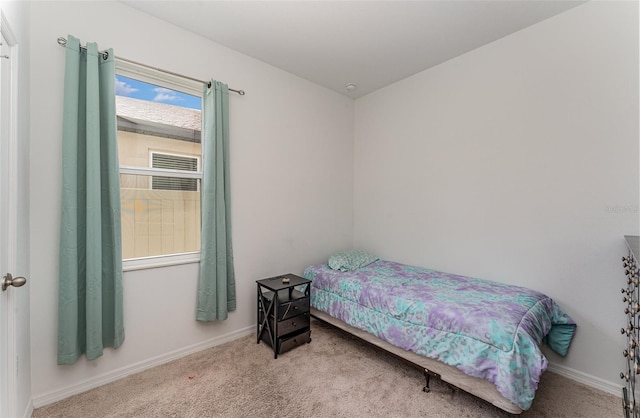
(334, 376)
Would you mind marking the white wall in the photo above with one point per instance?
(516, 162)
(291, 180)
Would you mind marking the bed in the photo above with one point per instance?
(481, 336)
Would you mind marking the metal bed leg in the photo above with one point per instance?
(427, 378)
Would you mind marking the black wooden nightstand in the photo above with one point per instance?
(284, 321)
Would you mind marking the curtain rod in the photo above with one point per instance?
(63, 42)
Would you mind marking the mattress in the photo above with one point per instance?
(486, 329)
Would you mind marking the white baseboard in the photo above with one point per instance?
(57, 395)
(114, 375)
(586, 379)
(28, 411)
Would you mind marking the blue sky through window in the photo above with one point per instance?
(145, 91)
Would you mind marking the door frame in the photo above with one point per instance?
(10, 394)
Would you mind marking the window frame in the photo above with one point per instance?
(184, 85)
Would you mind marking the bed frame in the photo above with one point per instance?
(478, 387)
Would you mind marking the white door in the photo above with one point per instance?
(11, 329)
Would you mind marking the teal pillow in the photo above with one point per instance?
(559, 337)
(351, 260)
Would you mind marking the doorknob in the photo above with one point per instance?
(9, 280)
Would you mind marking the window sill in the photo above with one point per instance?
(144, 263)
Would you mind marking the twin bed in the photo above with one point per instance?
(481, 336)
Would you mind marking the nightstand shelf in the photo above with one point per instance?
(284, 321)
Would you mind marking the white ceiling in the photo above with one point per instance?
(369, 43)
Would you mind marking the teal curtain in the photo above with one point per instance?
(216, 284)
(90, 279)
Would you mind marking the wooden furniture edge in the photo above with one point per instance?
(481, 388)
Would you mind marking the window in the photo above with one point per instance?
(159, 147)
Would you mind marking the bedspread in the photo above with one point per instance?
(486, 329)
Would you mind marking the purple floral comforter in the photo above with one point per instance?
(486, 329)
